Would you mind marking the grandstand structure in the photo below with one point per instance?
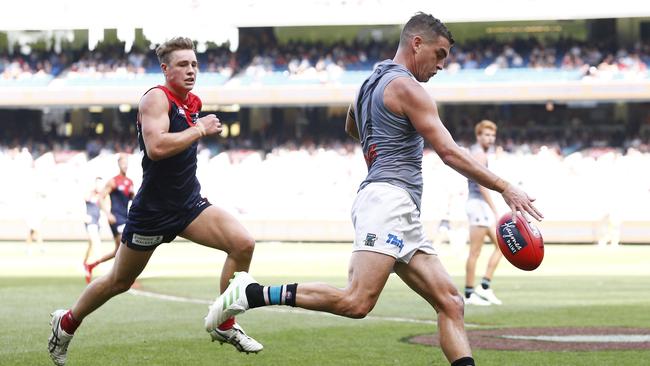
(571, 97)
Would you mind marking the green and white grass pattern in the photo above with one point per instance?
(575, 286)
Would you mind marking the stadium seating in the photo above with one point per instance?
(344, 64)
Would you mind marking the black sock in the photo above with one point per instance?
(255, 295)
(465, 361)
(485, 283)
(468, 291)
(258, 295)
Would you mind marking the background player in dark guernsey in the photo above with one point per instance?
(120, 191)
(168, 203)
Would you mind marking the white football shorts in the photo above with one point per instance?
(479, 213)
(387, 221)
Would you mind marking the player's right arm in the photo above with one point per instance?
(154, 121)
(481, 157)
(406, 96)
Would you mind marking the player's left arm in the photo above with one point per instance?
(351, 124)
(414, 102)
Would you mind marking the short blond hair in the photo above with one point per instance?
(177, 43)
(485, 125)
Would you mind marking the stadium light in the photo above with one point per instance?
(235, 129)
(231, 108)
(68, 129)
(210, 108)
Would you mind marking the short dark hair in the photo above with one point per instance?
(179, 43)
(422, 24)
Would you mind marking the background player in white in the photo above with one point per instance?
(481, 214)
(392, 115)
(93, 200)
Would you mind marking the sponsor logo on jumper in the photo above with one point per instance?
(371, 155)
(370, 240)
(394, 240)
(146, 241)
(512, 237)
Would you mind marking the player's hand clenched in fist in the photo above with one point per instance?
(208, 125)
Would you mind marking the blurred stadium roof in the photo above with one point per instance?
(204, 16)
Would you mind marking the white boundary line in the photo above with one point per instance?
(183, 299)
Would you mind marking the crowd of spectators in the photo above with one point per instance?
(593, 61)
(113, 61)
(516, 135)
(33, 65)
(301, 58)
(104, 61)
(265, 55)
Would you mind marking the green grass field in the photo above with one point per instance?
(575, 286)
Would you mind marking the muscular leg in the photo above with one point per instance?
(496, 255)
(128, 265)
(426, 276)
(476, 236)
(367, 276)
(216, 228)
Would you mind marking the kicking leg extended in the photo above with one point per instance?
(368, 274)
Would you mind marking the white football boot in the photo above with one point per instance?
(59, 340)
(232, 302)
(488, 295)
(475, 299)
(237, 338)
